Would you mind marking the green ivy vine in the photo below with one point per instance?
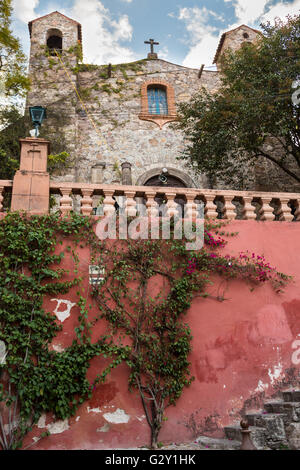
(33, 378)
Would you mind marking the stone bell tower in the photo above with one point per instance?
(54, 77)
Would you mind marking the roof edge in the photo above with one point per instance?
(224, 36)
(49, 14)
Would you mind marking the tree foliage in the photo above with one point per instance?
(12, 60)
(14, 85)
(254, 112)
(16, 126)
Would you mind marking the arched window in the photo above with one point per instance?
(157, 100)
(54, 41)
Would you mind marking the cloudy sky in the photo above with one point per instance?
(188, 30)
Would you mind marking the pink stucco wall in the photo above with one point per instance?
(242, 347)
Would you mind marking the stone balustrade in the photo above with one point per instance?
(221, 204)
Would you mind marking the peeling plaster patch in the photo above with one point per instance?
(93, 410)
(58, 348)
(296, 354)
(62, 316)
(118, 417)
(276, 374)
(42, 421)
(3, 352)
(104, 428)
(141, 418)
(58, 427)
(261, 387)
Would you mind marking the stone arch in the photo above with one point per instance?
(173, 172)
(160, 120)
(54, 40)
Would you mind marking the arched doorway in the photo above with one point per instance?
(172, 182)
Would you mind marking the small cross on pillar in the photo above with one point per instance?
(152, 54)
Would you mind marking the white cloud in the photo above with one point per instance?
(102, 34)
(164, 53)
(281, 10)
(197, 22)
(248, 11)
(259, 11)
(24, 9)
(204, 38)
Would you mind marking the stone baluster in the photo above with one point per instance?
(266, 212)
(297, 213)
(66, 203)
(130, 205)
(210, 207)
(1, 197)
(152, 206)
(109, 202)
(171, 204)
(190, 207)
(86, 201)
(285, 212)
(248, 210)
(229, 208)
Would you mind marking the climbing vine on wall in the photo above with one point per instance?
(33, 378)
(147, 289)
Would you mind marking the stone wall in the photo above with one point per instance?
(98, 115)
(122, 136)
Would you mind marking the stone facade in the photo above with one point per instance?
(100, 114)
(234, 39)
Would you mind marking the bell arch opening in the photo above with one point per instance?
(54, 41)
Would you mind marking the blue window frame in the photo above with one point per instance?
(157, 100)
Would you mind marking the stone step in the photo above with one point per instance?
(253, 417)
(274, 428)
(258, 435)
(218, 444)
(291, 395)
(290, 409)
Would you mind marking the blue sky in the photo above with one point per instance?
(188, 30)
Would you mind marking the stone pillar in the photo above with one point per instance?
(97, 173)
(210, 207)
(31, 185)
(126, 174)
(1, 196)
(229, 208)
(86, 201)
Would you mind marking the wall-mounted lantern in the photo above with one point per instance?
(37, 114)
(163, 176)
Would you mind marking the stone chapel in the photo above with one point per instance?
(116, 121)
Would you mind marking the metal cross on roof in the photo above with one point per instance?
(152, 44)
